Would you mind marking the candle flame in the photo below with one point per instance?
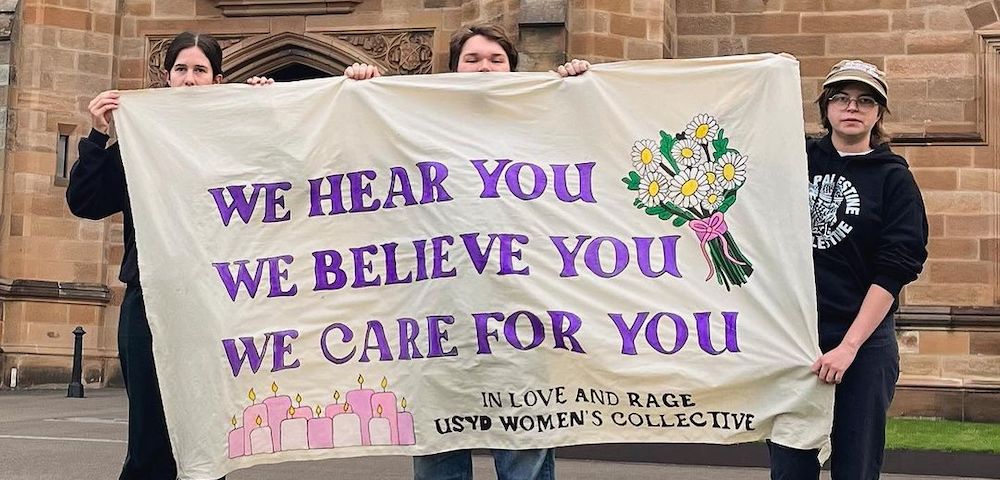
(385, 383)
(336, 396)
(233, 421)
(318, 410)
(379, 410)
(298, 399)
(361, 381)
(291, 411)
(347, 406)
(274, 388)
(259, 420)
(403, 404)
(252, 395)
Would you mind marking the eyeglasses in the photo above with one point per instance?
(843, 100)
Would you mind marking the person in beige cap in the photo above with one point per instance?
(869, 240)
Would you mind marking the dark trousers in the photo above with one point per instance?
(149, 456)
(861, 402)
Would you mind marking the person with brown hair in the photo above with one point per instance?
(484, 47)
(97, 189)
(869, 240)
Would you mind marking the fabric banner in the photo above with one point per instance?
(410, 265)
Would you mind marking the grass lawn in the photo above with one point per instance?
(942, 435)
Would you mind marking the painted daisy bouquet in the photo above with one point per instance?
(692, 178)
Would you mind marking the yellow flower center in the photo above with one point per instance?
(710, 176)
(686, 152)
(712, 198)
(702, 131)
(689, 187)
(646, 156)
(729, 171)
(654, 188)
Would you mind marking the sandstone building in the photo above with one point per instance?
(942, 58)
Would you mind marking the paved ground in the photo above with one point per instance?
(44, 435)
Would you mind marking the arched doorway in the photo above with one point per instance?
(290, 56)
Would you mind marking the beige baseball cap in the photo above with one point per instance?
(858, 71)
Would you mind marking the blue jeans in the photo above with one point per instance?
(539, 464)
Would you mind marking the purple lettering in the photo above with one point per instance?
(490, 179)
(335, 197)
(432, 175)
(381, 344)
(363, 266)
(568, 256)
(539, 180)
(403, 190)
(329, 262)
(592, 257)
(347, 336)
(586, 193)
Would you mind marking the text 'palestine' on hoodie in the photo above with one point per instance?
(868, 227)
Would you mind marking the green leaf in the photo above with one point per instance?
(656, 210)
(680, 221)
(638, 203)
(632, 181)
(665, 215)
(680, 212)
(666, 145)
(720, 144)
(728, 201)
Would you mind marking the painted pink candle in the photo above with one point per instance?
(346, 429)
(386, 403)
(237, 441)
(277, 410)
(250, 416)
(260, 441)
(335, 408)
(300, 411)
(320, 431)
(405, 424)
(360, 401)
(293, 434)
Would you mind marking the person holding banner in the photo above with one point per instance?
(484, 47)
(97, 189)
(869, 240)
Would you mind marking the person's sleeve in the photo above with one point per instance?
(902, 246)
(97, 181)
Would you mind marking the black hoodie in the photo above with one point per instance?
(868, 226)
(97, 190)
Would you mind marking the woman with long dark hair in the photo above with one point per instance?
(869, 240)
(97, 190)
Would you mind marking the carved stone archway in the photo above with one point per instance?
(263, 54)
(395, 52)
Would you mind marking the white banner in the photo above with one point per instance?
(410, 265)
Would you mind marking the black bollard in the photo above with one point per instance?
(75, 383)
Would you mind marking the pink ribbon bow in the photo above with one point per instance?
(709, 229)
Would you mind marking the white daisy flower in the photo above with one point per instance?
(688, 188)
(653, 189)
(646, 157)
(702, 129)
(713, 200)
(687, 152)
(731, 170)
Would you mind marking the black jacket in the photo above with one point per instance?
(868, 224)
(97, 190)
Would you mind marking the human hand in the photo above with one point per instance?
(100, 110)
(259, 81)
(362, 71)
(830, 367)
(573, 68)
